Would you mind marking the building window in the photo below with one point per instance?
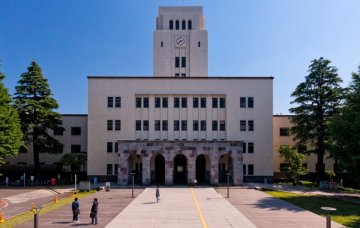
(284, 131)
(250, 125)
(203, 125)
(244, 147)
(214, 102)
(203, 102)
(244, 169)
(250, 102)
(116, 169)
(109, 169)
(177, 25)
(199, 44)
(214, 125)
(222, 102)
(171, 25)
(138, 102)
(242, 102)
(157, 125)
(22, 150)
(301, 148)
(109, 125)
(177, 61)
(157, 102)
(165, 102)
(116, 147)
(110, 102)
(183, 61)
(117, 102)
(176, 125)
(164, 125)
(250, 147)
(145, 125)
(184, 125)
(76, 131)
(195, 125)
(176, 102)
(162, 44)
(183, 75)
(109, 147)
(75, 148)
(284, 167)
(59, 131)
(146, 102)
(138, 125)
(117, 125)
(222, 125)
(195, 102)
(183, 25)
(250, 169)
(242, 125)
(183, 102)
(177, 75)
(189, 25)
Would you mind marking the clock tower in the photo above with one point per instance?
(180, 42)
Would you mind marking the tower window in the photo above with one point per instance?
(183, 61)
(189, 25)
(162, 44)
(177, 61)
(183, 25)
(177, 25)
(171, 25)
(199, 44)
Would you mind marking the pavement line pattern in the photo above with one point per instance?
(202, 219)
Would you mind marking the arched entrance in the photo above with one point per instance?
(203, 169)
(159, 169)
(225, 166)
(180, 169)
(135, 166)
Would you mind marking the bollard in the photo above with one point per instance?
(2, 217)
(32, 206)
(55, 199)
(73, 195)
(328, 218)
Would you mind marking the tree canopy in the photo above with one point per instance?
(295, 161)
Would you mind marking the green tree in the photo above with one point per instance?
(295, 161)
(11, 137)
(73, 161)
(345, 130)
(317, 98)
(35, 104)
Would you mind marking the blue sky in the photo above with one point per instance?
(71, 39)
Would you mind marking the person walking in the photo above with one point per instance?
(76, 210)
(157, 194)
(94, 211)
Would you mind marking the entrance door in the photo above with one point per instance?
(159, 169)
(201, 169)
(180, 169)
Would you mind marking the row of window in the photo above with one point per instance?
(114, 102)
(177, 62)
(74, 131)
(216, 125)
(284, 131)
(249, 171)
(248, 147)
(143, 102)
(250, 125)
(250, 102)
(177, 24)
(114, 125)
(112, 147)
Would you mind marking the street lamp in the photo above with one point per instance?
(36, 211)
(228, 183)
(328, 218)
(132, 177)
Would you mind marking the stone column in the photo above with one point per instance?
(214, 170)
(238, 168)
(191, 170)
(146, 173)
(169, 169)
(123, 173)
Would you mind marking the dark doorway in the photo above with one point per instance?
(159, 169)
(225, 167)
(201, 169)
(180, 169)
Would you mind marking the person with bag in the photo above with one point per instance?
(76, 210)
(94, 211)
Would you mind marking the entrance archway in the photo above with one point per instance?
(225, 166)
(202, 169)
(180, 169)
(135, 166)
(159, 169)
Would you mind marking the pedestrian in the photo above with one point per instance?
(76, 210)
(157, 194)
(94, 211)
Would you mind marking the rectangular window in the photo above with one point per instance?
(177, 61)
(75, 148)
(76, 131)
(59, 131)
(244, 147)
(184, 125)
(250, 147)
(22, 150)
(222, 125)
(214, 125)
(165, 102)
(109, 169)
(116, 169)
(250, 102)
(183, 75)
(146, 102)
(183, 102)
(176, 102)
(109, 147)
(284, 131)
(138, 102)
(157, 102)
(250, 125)
(116, 147)
(138, 125)
(177, 75)
(117, 125)
(284, 167)
(183, 61)
(195, 125)
(242, 125)
(195, 102)
(244, 169)
(203, 102)
(176, 125)
(145, 125)
(214, 102)
(109, 125)
(117, 102)
(157, 125)
(222, 102)
(199, 44)
(164, 125)
(203, 125)
(251, 169)
(242, 102)
(110, 102)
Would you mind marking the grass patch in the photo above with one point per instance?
(29, 215)
(305, 184)
(347, 213)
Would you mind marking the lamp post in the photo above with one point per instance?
(328, 218)
(132, 177)
(36, 211)
(228, 183)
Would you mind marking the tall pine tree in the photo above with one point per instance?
(318, 99)
(35, 104)
(11, 137)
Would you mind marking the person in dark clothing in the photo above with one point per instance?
(76, 210)
(157, 194)
(94, 211)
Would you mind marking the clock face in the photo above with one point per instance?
(180, 41)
